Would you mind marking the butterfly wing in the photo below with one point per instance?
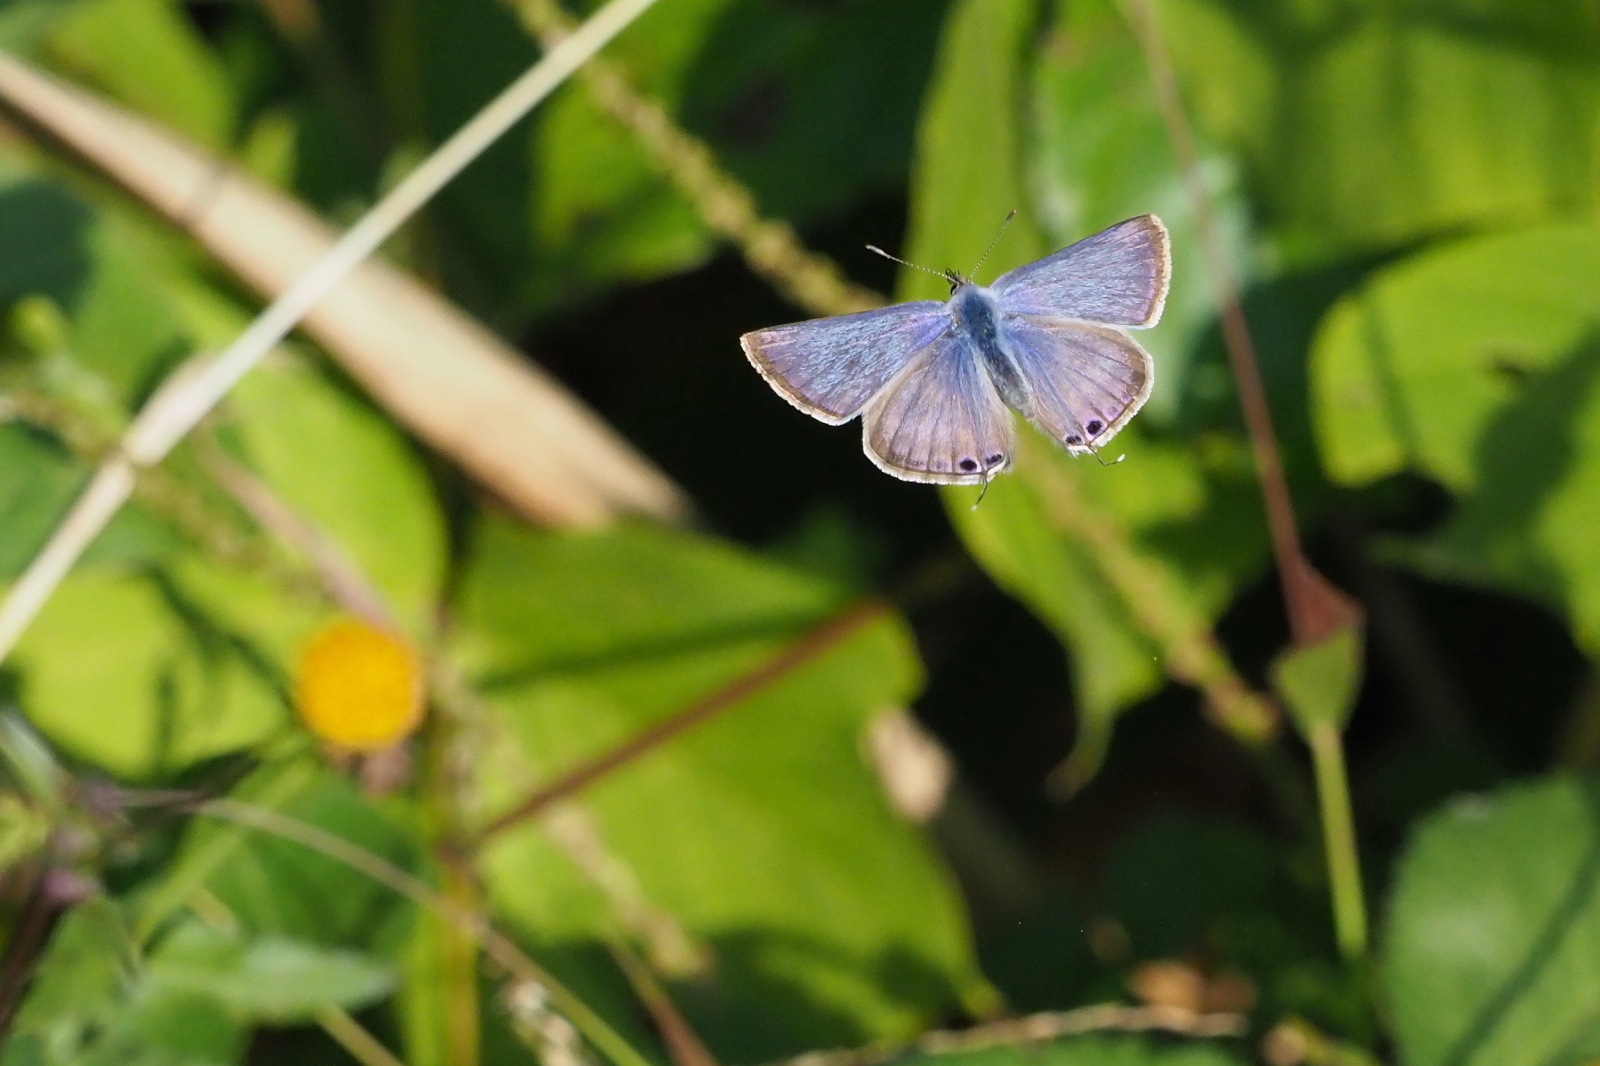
(1082, 381)
(831, 368)
(940, 420)
(1118, 276)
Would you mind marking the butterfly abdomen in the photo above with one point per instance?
(976, 314)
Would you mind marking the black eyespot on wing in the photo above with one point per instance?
(1095, 426)
(997, 458)
(1074, 439)
(968, 465)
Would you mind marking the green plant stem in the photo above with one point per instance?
(1339, 840)
(495, 944)
(349, 1034)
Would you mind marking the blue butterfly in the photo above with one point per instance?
(933, 380)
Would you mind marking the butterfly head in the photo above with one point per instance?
(956, 280)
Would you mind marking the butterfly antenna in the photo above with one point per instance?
(902, 262)
(984, 491)
(1097, 458)
(982, 258)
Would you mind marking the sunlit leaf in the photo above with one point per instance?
(1475, 364)
(969, 170)
(147, 54)
(273, 979)
(1376, 123)
(344, 469)
(37, 483)
(1492, 952)
(823, 913)
(1101, 154)
(121, 671)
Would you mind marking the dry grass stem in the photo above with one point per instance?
(181, 402)
(1037, 1028)
(460, 388)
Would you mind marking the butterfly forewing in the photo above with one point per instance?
(941, 420)
(1118, 276)
(831, 368)
(1083, 381)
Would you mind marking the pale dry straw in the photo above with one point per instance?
(192, 392)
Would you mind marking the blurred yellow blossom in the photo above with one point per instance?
(359, 688)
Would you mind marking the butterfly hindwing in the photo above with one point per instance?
(830, 368)
(1083, 381)
(1118, 276)
(941, 420)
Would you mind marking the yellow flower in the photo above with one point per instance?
(359, 688)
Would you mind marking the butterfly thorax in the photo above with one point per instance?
(975, 315)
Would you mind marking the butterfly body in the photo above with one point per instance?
(975, 316)
(933, 381)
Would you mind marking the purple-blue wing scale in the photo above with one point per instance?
(941, 420)
(1117, 277)
(831, 368)
(1083, 381)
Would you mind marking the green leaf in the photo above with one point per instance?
(163, 1028)
(1101, 154)
(1476, 364)
(277, 888)
(37, 484)
(1319, 683)
(109, 272)
(345, 469)
(120, 670)
(1493, 946)
(146, 54)
(81, 976)
(23, 830)
(969, 161)
(1188, 512)
(824, 915)
(1372, 124)
(48, 231)
(274, 980)
(92, 1004)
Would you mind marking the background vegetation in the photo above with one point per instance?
(666, 804)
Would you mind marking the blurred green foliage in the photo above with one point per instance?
(1405, 192)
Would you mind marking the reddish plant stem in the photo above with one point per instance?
(1315, 608)
(810, 646)
(683, 1044)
